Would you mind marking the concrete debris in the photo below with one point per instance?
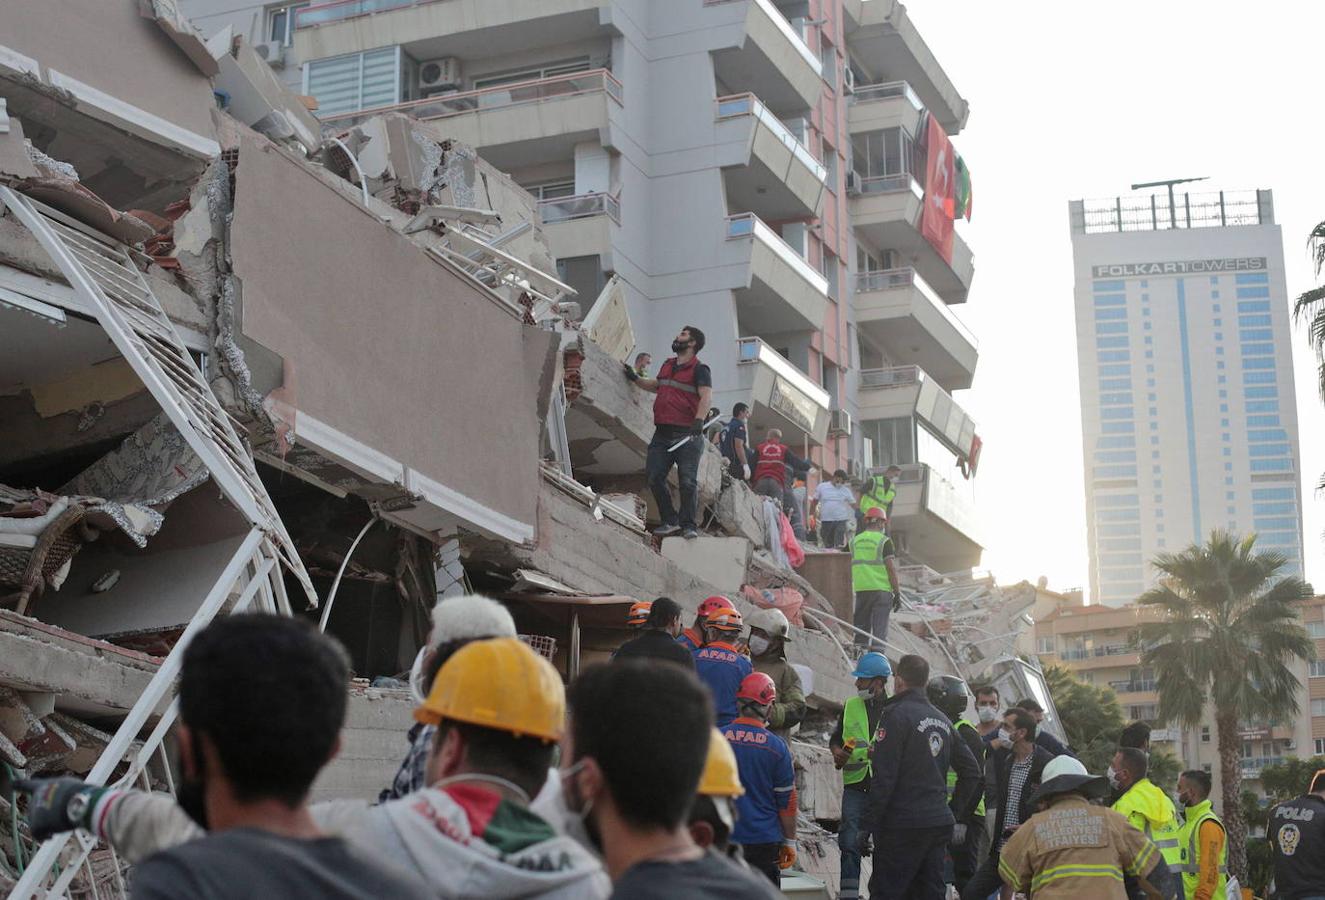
(16, 153)
(259, 99)
(177, 27)
(721, 561)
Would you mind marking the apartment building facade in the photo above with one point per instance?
(753, 167)
(1189, 420)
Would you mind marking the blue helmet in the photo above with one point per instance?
(873, 665)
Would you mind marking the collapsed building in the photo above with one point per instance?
(249, 365)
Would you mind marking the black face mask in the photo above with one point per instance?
(191, 793)
(679, 346)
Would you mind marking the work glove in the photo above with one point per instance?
(897, 600)
(57, 805)
(958, 835)
(697, 427)
(746, 468)
(787, 855)
(630, 371)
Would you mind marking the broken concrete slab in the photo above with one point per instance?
(373, 742)
(721, 561)
(818, 782)
(180, 30)
(259, 99)
(15, 161)
(84, 205)
(739, 511)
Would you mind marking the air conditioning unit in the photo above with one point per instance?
(273, 52)
(839, 422)
(439, 75)
(848, 79)
(853, 183)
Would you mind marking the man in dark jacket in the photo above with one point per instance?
(1018, 771)
(908, 811)
(658, 640)
(1043, 737)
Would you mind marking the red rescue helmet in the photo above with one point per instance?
(758, 688)
(875, 512)
(712, 604)
(726, 619)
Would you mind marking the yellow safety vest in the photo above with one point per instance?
(856, 726)
(952, 773)
(868, 570)
(1189, 859)
(1150, 810)
(875, 496)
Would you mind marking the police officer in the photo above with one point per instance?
(873, 580)
(970, 842)
(850, 745)
(908, 809)
(1071, 850)
(1297, 834)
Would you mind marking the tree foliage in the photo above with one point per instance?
(1290, 778)
(1310, 308)
(1091, 716)
(1229, 635)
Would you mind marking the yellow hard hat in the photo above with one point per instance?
(501, 684)
(720, 778)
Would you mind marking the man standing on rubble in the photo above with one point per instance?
(766, 814)
(909, 812)
(774, 459)
(735, 443)
(769, 632)
(261, 703)
(719, 664)
(659, 638)
(873, 580)
(684, 389)
(851, 744)
(879, 491)
(831, 503)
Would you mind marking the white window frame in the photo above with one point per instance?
(290, 9)
(1316, 668)
(541, 189)
(1318, 706)
(1046, 644)
(401, 88)
(1320, 747)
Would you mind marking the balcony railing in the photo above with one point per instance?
(893, 279)
(1256, 763)
(887, 184)
(323, 13)
(1155, 212)
(580, 206)
(747, 104)
(498, 96)
(1133, 687)
(1074, 653)
(888, 90)
(1115, 650)
(748, 225)
(780, 21)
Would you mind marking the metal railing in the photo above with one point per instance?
(894, 279)
(340, 10)
(1256, 763)
(893, 376)
(783, 25)
(580, 206)
(1074, 653)
(888, 184)
(748, 225)
(1133, 687)
(496, 97)
(888, 90)
(747, 104)
(1115, 650)
(1152, 212)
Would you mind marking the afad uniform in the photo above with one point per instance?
(722, 667)
(1297, 833)
(1074, 851)
(691, 640)
(764, 763)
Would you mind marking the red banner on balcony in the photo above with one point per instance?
(940, 191)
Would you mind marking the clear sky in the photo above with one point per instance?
(1075, 99)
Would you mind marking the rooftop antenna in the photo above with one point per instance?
(1173, 209)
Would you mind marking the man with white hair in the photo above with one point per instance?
(456, 621)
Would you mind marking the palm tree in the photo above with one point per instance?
(1310, 306)
(1230, 632)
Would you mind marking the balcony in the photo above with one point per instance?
(883, 38)
(580, 225)
(934, 519)
(885, 210)
(891, 104)
(905, 391)
(517, 125)
(781, 291)
(899, 310)
(1252, 765)
(782, 395)
(764, 51)
(431, 29)
(765, 167)
(1148, 685)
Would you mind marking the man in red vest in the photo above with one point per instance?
(773, 459)
(685, 389)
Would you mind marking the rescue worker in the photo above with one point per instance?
(1145, 805)
(769, 632)
(712, 815)
(969, 839)
(692, 638)
(766, 814)
(879, 491)
(873, 581)
(773, 458)
(1202, 840)
(684, 389)
(658, 639)
(1073, 850)
(719, 664)
(638, 614)
(908, 808)
(1297, 835)
(850, 744)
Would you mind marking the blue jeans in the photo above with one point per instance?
(848, 841)
(658, 465)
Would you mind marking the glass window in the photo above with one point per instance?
(1106, 286)
(1273, 509)
(1253, 306)
(1251, 393)
(1119, 427)
(1115, 399)
(1273, 494)
(1113, 356)
(1114, 443)
(1115, 456)
(1116, 384)
(1117, 515)
(1111, 328)
(1272, 465)
(1110, 299)
(1257, 349)
(1256, 334)
(1274, 524)
(1249, 321)
(1269, 434)
(1115, 370)
(1117, 500)
(1258, 377)
(280, 23)
(1044, 644)
(1263, 421)
(894, 440)
(1316, 629)
(1252, 278)
(1102, 314)
(1268, 450)
(356, 81)
(1259, 362)
(1247, 293)
(1318, 707)
(1116, 412)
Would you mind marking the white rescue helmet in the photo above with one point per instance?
(771, 622)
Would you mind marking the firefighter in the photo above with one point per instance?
(766, 825)
(969, 840)
(719, 664)
(1073, 850)
(769, 632)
